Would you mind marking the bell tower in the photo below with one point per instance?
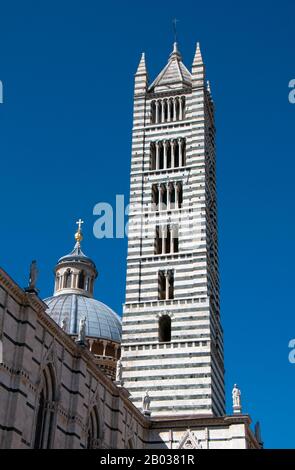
(172, 340)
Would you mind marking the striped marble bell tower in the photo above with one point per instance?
(172, 339)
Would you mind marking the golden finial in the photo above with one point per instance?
(78, 234)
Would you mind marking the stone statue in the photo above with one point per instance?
(82, 330)
(119, 371)
(236, 394)
(64, 324)
(33, 275)
(146, 402)
(258, 434)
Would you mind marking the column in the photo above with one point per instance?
(176, 196)
(169, 110)
(163, 115)
(174, 109)
(180, 108)
(160, 198)
(172, 143)
(168, 196)
(167, 285)
(154, 197)
(171, 239)
(180, 152)
(75, 280)
(157, 112)
(157, 155)
(165, 154)
(163, 229)
(104, 343)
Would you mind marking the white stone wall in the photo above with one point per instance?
(204, 433)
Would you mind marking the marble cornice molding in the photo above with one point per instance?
(195, 421)
(11, 287)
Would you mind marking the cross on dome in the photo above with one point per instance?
(79, 223)
(175, 21)
(78, 234)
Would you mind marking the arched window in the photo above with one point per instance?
(177, 109)
(153, 112)
(91, 285)
(153, 156)
(93, 430)
(183, 106)
(67, 279)
(161, 285)
(81, 280)
(45, 413)
(165, 329)
(161, 155)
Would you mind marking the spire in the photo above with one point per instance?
(198, 68)
(174, 75)
(141, 76)
(175, 54)
(198, 60)
(141, 69)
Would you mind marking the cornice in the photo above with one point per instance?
(169, 93)
(201, 420)
(11, 287)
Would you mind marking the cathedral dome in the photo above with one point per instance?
(73, 302)
(101, 321)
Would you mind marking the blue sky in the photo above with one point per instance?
(65, 133)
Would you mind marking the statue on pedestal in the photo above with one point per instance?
(146, 402)
(64, 324)
(119, 370)
(82, 330)
(236, 395)
(33, 276)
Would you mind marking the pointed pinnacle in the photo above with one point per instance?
(141, 69)
(198, 60)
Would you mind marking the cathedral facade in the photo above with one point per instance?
(72, 374)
